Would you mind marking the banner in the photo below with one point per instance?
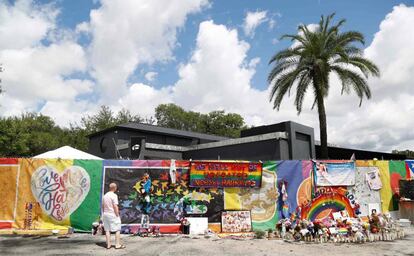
(57, 194)
(169, 202)
(213, 174)
(334, 173)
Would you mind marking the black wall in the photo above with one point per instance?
(254, 151)
(346, 153)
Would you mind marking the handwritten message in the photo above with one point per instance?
(60, 194)
(225, 174)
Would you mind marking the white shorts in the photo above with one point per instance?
(111, 222)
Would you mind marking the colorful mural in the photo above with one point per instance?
(44, 194)
(168, 202)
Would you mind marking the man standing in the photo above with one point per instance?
(111, 218)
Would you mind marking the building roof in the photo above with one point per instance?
(162, 130)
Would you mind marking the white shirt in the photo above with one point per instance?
(108, 201)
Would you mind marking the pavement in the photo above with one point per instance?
(86, 244)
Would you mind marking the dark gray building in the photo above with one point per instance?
(287, 140)
(282, 141)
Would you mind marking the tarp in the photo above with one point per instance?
(67, 152)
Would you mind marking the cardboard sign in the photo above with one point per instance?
(225, 174)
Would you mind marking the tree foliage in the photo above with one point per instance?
(408, 153)
(28, 135)
(31, 134)
(215, 122)
(307, 65)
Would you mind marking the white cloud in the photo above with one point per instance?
(252, 21)
(150, 76)
(14, 19)
(35, 74)
(272, 23)
(144, 33)
(143, 99)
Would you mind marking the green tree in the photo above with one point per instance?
(311, 60)
(106, 118)
(215, 122)
(28, 135)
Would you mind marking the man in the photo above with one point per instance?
(111, 218)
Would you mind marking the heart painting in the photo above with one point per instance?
(60, 194)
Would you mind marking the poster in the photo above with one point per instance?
(334, 173)
(213, 174)
(169, 202)
(236, 221)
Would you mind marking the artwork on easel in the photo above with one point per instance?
(236, 221)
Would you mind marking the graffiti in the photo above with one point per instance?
(169, 202)
(60, 194)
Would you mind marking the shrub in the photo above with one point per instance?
(259, 234)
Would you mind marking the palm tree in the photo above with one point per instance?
(309, 62)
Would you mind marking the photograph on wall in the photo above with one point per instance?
(334, 173)
(236, 221)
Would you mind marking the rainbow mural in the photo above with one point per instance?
(324, 205)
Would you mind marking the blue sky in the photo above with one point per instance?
(364, 16)
(200, 54)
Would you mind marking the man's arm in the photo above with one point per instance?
(116, 209)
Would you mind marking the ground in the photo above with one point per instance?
(85, 244)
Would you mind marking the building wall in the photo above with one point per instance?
(255, 151)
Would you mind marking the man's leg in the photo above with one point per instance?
(108, 238)
(117, 239)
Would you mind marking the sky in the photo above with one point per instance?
(65, 58)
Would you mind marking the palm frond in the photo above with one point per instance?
(353, 79)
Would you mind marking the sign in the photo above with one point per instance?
(225, 174)
(198, 226)
(236, 221)
(334, 173)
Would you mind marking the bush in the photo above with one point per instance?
(259, 234)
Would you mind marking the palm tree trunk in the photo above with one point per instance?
(322, 127)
